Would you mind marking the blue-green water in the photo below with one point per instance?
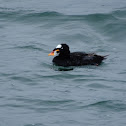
(35, 93)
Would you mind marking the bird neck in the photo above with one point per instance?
(65, 54)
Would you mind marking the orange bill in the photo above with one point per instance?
(51, 54)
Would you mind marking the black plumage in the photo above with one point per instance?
(65, 58)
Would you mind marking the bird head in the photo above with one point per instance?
(60, 50)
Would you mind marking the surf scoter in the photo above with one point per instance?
(65, 58)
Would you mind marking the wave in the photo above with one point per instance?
(112, 25)
(39, 105)
(27, 14)
(107, 105)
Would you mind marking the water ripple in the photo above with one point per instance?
(109, 105)
(30, 47)
(37, 124)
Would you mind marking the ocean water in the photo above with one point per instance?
(33, 92)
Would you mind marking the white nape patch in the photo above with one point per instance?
(58, 46)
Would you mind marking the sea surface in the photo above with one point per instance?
(34, 92)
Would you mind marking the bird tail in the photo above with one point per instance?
(105, 57)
